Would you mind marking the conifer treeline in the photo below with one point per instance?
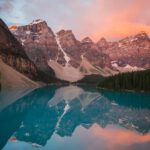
(139, 80)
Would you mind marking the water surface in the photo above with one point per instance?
(71, 118)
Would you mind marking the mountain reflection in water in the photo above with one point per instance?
(74, 117)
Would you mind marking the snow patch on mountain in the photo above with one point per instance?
(131, 67)
(127, 68)
(22, 41)
(28, 32)
(71, 74)
(36, 21)
(60, 47)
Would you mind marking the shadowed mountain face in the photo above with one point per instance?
(38, 41)
(15, 61)
(49, 112)
(13, 54)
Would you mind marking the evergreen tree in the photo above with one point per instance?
(139, 80)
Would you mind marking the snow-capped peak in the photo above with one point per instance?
(37, 21)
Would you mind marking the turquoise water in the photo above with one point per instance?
(74, 118)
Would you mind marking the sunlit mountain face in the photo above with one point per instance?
(62, 117)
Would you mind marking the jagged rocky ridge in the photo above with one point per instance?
(68, 57)
(37, 40)
(132, 51)
(17, 68)
(72, 59)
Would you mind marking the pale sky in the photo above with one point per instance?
(112, 19)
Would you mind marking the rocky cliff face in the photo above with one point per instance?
(132, 51)
(40, 45)
(12, 53)
(70, 46)
(38, 36)
(61, 52)
(38, 41)
(102, 44)
(69, 57)
(93, 54)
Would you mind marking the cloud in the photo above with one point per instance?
(11, 11)
(116, 138)
(6, 5)
(95, 18)
(115, 18)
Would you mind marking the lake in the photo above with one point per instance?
(74, 118)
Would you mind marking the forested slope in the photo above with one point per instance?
(139, 80)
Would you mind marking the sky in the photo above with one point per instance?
(112, 19)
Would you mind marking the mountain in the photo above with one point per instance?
(40, 45)
(73, 60)
(15, 66)
(12, 53)
(70, 59)
(130, 53)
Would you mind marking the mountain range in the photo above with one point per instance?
(38, 53)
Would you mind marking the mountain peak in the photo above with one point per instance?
(64, 32)
(142, 35)
(13, 27)
(67, 35)
(35, 26)
(102, 42)
(87, 40)
(37, 21)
